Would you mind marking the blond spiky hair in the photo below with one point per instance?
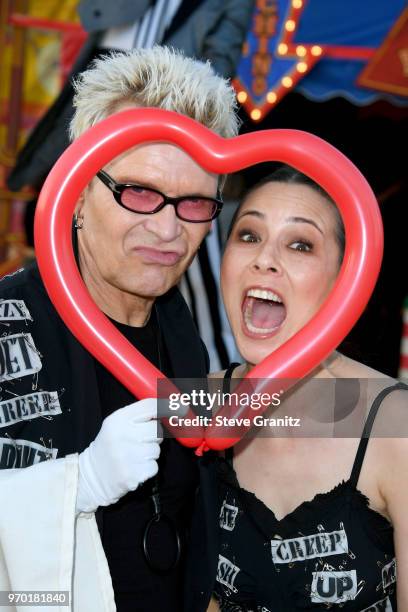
(159, 77)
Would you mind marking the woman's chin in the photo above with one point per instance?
(255, 354)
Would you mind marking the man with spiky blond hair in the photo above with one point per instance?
(137, 226)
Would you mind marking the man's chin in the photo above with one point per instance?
(150, 288)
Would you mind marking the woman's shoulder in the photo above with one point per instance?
(388, 399)
(389, 393)
(390, 446)
(391, 420)
(350, 368)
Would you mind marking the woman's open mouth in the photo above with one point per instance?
(263, 312)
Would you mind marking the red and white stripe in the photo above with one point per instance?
(403, 371)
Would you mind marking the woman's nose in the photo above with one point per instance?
(266, 261)
(165, 224)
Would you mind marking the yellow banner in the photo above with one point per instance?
(32, 76)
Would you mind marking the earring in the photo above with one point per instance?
(78, 222)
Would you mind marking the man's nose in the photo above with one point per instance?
(165, 224)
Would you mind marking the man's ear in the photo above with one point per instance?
(80, 204)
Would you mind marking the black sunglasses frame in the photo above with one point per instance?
(118, 188)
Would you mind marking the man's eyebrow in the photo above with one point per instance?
(150, 183)
(256, 213)
(145, 182)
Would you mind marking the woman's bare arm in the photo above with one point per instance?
(394, 486)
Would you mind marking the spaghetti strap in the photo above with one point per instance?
(227, 377)
(362, 447)
(229, 455)
(229, 452)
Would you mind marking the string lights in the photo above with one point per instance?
(273, 37)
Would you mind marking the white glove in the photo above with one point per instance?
(123, 455)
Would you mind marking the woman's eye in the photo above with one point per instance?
(301, 245)
(247, 236)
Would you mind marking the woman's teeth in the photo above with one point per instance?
(264, 294)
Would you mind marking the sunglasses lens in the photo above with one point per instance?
(197, 209)
(141, 199)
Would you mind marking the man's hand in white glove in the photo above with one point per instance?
(123, 455)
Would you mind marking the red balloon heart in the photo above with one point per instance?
(306, 152)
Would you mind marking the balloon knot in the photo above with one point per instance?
(203, 448)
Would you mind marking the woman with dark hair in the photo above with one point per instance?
(277, 551)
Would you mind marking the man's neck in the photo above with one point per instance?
(117, 304)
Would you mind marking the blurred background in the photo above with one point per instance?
(337, 69)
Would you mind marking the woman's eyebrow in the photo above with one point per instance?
(303, 220)
(256, 213)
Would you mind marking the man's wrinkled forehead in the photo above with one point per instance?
(164, 166)
(129, 105)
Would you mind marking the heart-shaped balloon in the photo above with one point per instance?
(306, 152)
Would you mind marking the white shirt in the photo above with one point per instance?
(144, 33)
(44, 546)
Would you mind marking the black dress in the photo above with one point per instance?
(331, 552)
